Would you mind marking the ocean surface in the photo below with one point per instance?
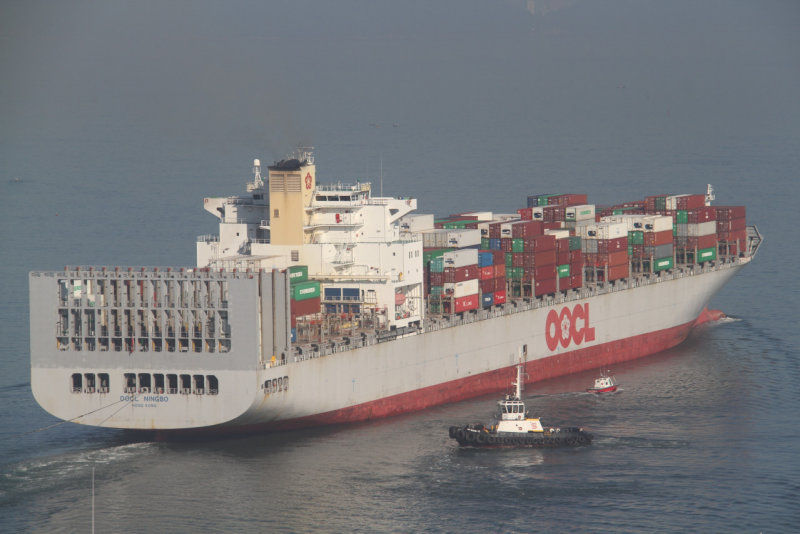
(117, 118)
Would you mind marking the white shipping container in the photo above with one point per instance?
(505, 217)
(462, 289)
(460, 258)
(632, 222)
(460, 238)
(481, 215)
(657, 223)
(537, 213)
(603, 230)
(700, 229)
(483, 228)
(415, 222)
(560, 234)
(506, 230)
(581, 212)
(436, 238)
(589, 245)
(672, 201)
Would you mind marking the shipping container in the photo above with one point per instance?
(661, 264)
(486, 272)
(485, 243)
(704, 228)
(303, 307)
(460, 289)
(499, 270)
(428, 254)
(437, 278)
(563, 271)
(305, 290)
(500, 296)
(298, 273)
(545, 286)
(465, 303)
(485, 258)
(539, 243)
(706, 254)
(437, 265)
(487, 300)
(615, 272)
(580, 212)
(702, 214)
(460, 257)
(526, 228)
(487, 285)
(730, 212)
(652, 239)
(416, 222)
(636, 237)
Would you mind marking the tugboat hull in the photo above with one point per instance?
(479, 436)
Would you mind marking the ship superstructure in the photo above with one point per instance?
(321, 303)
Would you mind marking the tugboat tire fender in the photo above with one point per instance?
(481, 438)
(471, 436)
(460, 434)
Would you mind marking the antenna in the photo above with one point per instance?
(257, 173)
(381, 157)
(710, 196)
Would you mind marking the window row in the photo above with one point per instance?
(158, 383)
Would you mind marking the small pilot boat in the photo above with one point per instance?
(604, 384)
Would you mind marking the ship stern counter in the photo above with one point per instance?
(154, 349)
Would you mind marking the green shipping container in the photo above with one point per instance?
(575, 242)
(437, 265)
(517, 245)
(298, 273)
(516, 273)
(663, 263)
(485, 243)
(437, 290)
(305, 290)
(563, 271)
(682, 217)
(707, 254)
(430, 255)
(636, 237)
(509, 260)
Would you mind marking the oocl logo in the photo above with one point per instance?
(568, 326)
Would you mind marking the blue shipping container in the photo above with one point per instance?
(487, 300)
(494, 243)
(485, 259)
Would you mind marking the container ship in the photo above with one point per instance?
(319, 304)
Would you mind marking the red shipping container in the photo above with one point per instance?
(304, 307)
(494, 230)
(499, 270)
(730, 212)
(544, 272)
(615, 272)
(553, 225)
(562, 258)
(576, 279)
(562, 245)
(500, 297)
(526, 214)
(487, 272)
(618, 258)
(701, 215)
(575, 257)
(540, 243)
(569, 199)
(527, 228)
(487, 286)
(554, 213)
(505, 244)
(690, 202)
(729, 225)
(654, 239)
(701, 242)
(612, 245)
(500, 283)
(437, 279)
(543, 287)
(469, 302)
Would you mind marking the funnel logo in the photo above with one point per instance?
(308, 180)
(568, 326)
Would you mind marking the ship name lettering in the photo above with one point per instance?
(568, 326)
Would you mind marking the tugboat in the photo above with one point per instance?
(603, 384)
(514, 428)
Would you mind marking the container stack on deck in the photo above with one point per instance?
(560, 242)
(305, 298)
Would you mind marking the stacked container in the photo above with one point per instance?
(605, 250)
(731, 230)
(696, 234)
(569, 263)
(650, 241)
(304, 295)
